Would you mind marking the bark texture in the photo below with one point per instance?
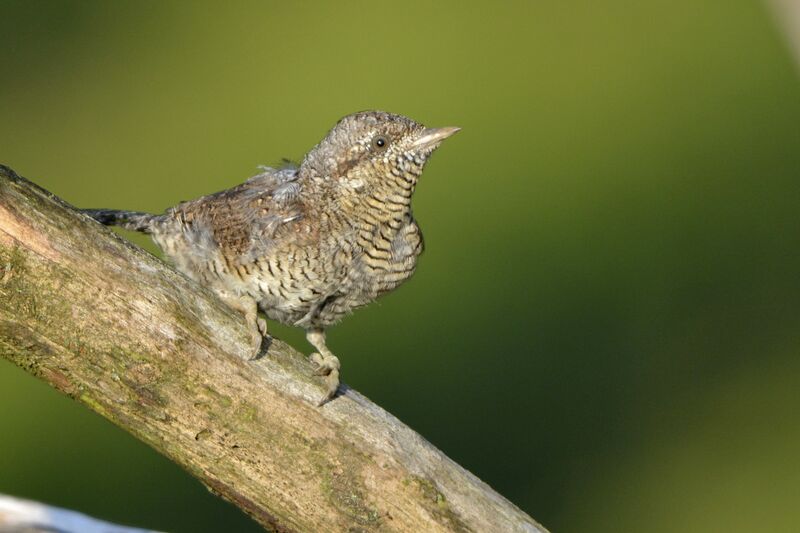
(122, 332)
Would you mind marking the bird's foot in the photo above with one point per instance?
(327, 366)
(259, 334)
(255, 345)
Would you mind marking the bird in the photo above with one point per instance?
(305, 244)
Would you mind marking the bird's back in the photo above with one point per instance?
(247, 239)
(304, 266)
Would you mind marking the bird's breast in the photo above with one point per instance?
(387, 258)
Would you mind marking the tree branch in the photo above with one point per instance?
(115, 328)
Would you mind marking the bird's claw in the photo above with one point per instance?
(255, 346)
(259, 333)
(329, 368)
(331, 387)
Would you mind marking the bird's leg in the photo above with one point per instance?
(327, 363)
(257, 325)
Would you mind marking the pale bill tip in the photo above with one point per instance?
(433, 136)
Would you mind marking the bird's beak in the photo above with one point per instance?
(431, 137)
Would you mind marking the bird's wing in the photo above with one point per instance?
(245, 221)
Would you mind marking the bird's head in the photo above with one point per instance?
(374, 152)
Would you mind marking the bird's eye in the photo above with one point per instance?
(379, 143)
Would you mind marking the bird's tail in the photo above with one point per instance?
(131, 220)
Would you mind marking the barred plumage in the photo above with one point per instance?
(309, 244)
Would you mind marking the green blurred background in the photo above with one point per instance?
(606, 322)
